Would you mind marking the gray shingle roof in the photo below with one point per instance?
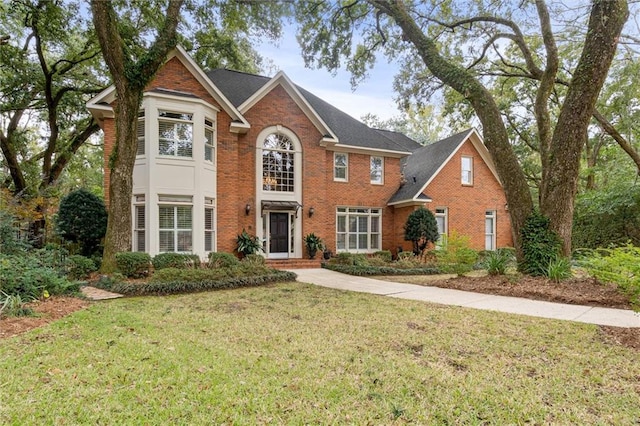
(401, 139)
(424, 163)
(239, 86)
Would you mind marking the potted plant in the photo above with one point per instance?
(313, 243)
(248, 244)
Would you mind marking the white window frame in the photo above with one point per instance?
(175, 202)
(490, 234)
(141, 132)
(466, 170)
(209, 231)
(279, 180)
(337, 167)
(210, 145)
(374, 239)
(176, 118)
(442, 212)
(379, 180)
(139, 224)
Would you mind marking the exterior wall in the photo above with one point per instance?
(467, 205)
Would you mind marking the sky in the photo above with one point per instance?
(374, 95)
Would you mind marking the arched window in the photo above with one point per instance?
(278, 163)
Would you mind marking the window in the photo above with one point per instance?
(278, 163)
(490, 230)
(340, 166)
(467, 171)
(139, 224)
(441, 221)
(140, 133)
(175, 224)
(358, 229)
(377, 170)
(175, 134)
(209, 140)
(209, 234)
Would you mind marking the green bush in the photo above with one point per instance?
(361, 270)
(80, 267)
(620, 266)
(496, 262)
(343, 258)
(9, 241)
(248, 244)
(172, 280)
(82, 218)
(254, 260)
(421, 229)
(540, 245)
(222, 260)
(133, 264)
(384, 255)
(457, 257)
(407, 260)
(28, 277)
(559, 269)
(175, 260)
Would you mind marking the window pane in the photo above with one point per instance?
(184, 217)
(375, 222)
(166, 218)
(375, 239)
(341, 173)
(208, 241)
(140, 243)
(353, 223)
(353, 241)
(363, 224)
(341, 241)
(140, 133)
(488, 226)
(440, 222)
(166, 241)
(208, 218)
(376, 169)
(363, 241)
(488, 242)
(342, 224)
(184, 241)
(140, 217)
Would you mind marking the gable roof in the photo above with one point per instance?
(244, 89)
(425, 163)
(100, 105)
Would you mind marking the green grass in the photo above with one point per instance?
(298, 354)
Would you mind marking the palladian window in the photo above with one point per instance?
(278, 163)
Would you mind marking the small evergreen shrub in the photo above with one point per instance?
(540, 245)
(222, 260)
(496, 262)
(28, 277)
(421, 229)
(133, 264)
(384, 255)
(175, 260)
(9, 241)
(559, 269)
(82, 218)
(80, 267)
(254, 260)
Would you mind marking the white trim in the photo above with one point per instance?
(372, 182)
(281, 79)
(410, 203)
(462, 170)
(367, 151)
(346, 168)
(238, 123)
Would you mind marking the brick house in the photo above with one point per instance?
(223, 151)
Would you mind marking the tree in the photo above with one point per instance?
(82, 218)
(426, 32)
(421, 228)
(50, 68)
(131, 70)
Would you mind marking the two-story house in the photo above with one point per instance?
(222, 151)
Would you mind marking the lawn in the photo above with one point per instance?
(298, 354)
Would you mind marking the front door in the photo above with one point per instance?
(279, 235)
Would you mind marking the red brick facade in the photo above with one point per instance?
(236, 180)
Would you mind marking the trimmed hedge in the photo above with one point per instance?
(379, 270)
(195, 280)
(222, 260)
(133, 264)
(175, 260)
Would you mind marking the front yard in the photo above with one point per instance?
(297, 354)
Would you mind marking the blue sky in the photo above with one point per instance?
(374, 95)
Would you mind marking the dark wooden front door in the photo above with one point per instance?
(279, 232)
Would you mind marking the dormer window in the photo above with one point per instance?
(175, 134)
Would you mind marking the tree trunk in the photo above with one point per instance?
(495, 134)
(558, 194)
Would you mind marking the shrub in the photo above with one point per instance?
(133, 264)
(421, 228)
(559, 269)
(540, 245)
(28, 277)
(496, 262)
(343, 258)
(407, 260)
(9, 241)
(175, 260)
(248, 244)
(82, 218)
(13, 306)
(384, 255)
(80, 267)
(254, 260)
(457, 257)
(620, 266)
(222, 260)
(380, 270)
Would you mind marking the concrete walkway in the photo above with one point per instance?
(513, 305)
